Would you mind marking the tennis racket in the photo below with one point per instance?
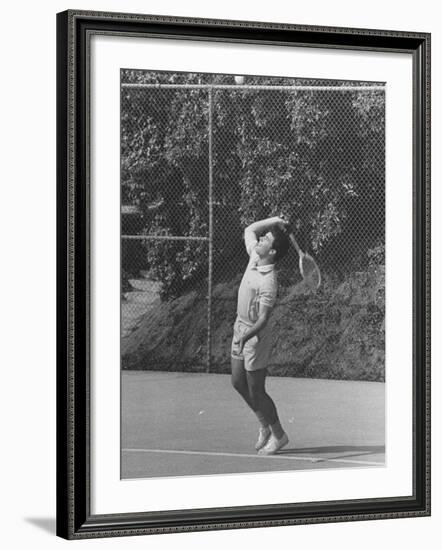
(307, 266)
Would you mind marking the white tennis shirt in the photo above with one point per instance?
(258, 286)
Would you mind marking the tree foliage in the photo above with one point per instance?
(316, 157)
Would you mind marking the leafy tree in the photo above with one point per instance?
(317, 157)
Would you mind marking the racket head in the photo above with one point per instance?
(310, 271)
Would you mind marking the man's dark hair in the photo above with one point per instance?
(281, 242)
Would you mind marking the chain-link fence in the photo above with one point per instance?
(201, 161)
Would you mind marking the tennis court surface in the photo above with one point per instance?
(176, 424)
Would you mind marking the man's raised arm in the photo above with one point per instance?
(252, 231)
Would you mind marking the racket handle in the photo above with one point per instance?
(295, 244)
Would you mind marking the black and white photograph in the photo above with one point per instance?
(243, 275)
(252, 246)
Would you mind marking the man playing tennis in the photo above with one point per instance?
(266, 242)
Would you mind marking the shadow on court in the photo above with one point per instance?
(355, 450)
(177, 424)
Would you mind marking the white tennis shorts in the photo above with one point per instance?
(256, 351)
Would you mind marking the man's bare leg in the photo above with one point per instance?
(239, 382)
(262, 400)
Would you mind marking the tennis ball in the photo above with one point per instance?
(239, 80)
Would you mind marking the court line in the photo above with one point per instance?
(243, 455)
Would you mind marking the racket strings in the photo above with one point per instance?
(310, 272)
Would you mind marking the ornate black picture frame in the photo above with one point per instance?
(74, 517)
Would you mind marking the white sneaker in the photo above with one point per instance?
(274, 445)
(263, 437)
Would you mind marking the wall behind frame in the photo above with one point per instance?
(28, 277)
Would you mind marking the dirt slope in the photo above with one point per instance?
(337, 333)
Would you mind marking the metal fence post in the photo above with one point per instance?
(210, 274)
